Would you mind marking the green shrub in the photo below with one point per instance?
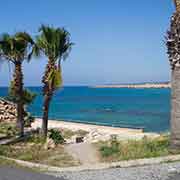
(8, 129)
(11, 131)
(108, 151)
(112, 149)
(56, 136)
(27, 99)
(3, 150)
(28, 119)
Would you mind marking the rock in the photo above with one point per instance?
(69, 141)
(79, 139)
(172, 170)
(73, 139)
(95, 136)
(8, 111)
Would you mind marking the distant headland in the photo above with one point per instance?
(136, 85)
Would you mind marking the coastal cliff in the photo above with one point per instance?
(140, 86)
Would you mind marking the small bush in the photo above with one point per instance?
(28, 119)
(108, 151)
(8, 129)
(112, 149)
(3, 150)
(11, 131)
(56, 136)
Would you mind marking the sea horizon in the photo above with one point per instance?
(98, 84)
(147, 109)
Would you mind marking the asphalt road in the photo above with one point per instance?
(8, 173)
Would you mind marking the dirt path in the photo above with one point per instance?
(84, 152)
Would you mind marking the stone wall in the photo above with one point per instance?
(8, 111)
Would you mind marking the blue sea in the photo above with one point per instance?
(133, 108)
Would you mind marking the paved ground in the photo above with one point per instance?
(7, 173)
(83, 152)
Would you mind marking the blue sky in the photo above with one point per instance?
(116, 41)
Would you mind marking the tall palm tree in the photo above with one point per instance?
(55, 44)
(15, 49)
(173, 45)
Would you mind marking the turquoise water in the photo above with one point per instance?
(138, 108)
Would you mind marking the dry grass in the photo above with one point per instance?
(67, 134)
(115, 150)
(33, 150)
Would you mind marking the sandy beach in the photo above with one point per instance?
(104, 131)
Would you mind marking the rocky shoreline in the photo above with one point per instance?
(8, 111)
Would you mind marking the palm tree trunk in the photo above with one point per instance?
(173, 52)
(177, 4)
(175, 109)
(18, 80)
(48, 93)
(47, 100)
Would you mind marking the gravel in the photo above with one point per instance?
(167, 171)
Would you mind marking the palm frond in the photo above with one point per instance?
(16, 47)
(5, 37)
(55, 78)
(55, 42)
(34, 52)
(24, 36)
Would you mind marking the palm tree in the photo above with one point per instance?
(173, 45)
(15, 49)
(55, 44)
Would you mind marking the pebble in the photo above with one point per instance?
(153, 172)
